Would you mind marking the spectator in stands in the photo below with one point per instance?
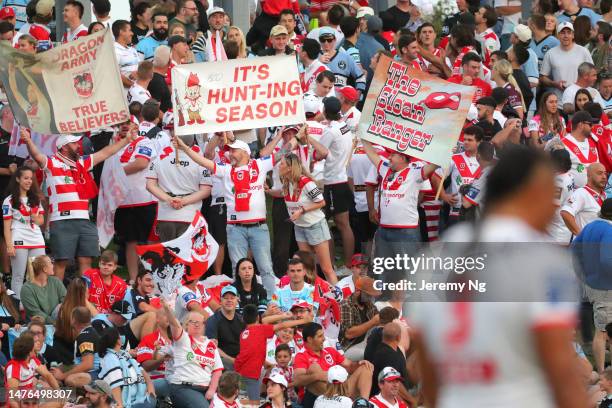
(193, 297)
(518, 57)
(39, 29)
(288, 20)
(547, 123)
(541, 41)
(503, 75)
(147, 46)
(127, 56)
(101, 10)
(397, 16)
(225, 326)
(339, 61)
(20, 372)
(121, 316)
(585, 203)
(600, 47)
(158, 87)
(587, 77)
(95, 27)
(279, 39)
(486, 19)
(570, 10)
(235, 34)
(73, 13)
(130, 384)
(276, 392)
(250, 292)
(139, 296)
(138, 92)
(27, 43)
(141, 21)
(389, 382)
(187, 17)
(336, 392)
(297, 289)
(228, 391)
(7, 13)
(357, 316)
(387, 315)
(271, 13)
(560, 64)
(154, 351)
(42, 351)
(43, 293)
(471, 68)
(464, 6)
(367, 44)
(7, 32)
(210, 45)
(99, 394)
(605, 90)
(105, 288)
(23, 214)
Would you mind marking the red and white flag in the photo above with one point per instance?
(113, 190)
(189, 255)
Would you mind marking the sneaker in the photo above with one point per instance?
(343, 272)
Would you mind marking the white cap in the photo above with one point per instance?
(168, 120)
(239, 144)
(522, 32)
(365, 11)
(277, 378)
(312, 103)
(63, 140)
(472, 113)
(336, 374)
(565, 24)
(214, 10)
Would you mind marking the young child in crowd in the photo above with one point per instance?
(104, 287)
(227, 391)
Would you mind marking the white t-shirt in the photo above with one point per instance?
(24, 233)
(359, 167)
(138, 194)
(306, 194)
(498, 116)
(557, 229)
(127, 58)
(315, 130)
(570, 94)
(339, 401)
(181, 180)
(338, 139)
(584, 205)
(351, 118)
(186, 296)
(258, 171)
(582, 155)
(399, 195)
(137, 93)
(194, 361)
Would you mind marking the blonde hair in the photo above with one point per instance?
(242, 51)
(336, 389)
(35, 266)
(504, 69)
(296, 171)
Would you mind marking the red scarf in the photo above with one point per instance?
(393, 180)
(242, 180)
(596, 196)
(85, 185)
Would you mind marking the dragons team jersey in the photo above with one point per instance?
(24, 232)
(186, 297)
(584, 204)
(582, 154)
(464, 170)
(564, 184)
(101, 294)
(138, 194)
(194, 361)
(399, 195)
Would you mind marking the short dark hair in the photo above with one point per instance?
(538, 21)
(404, 41)
(521, 53)
(486, 150)
(475, 131)
(326, 74)
(135, 108)
(159, 13)
(108, 339)
(249, 314)
(282, 347)
(150, 110)
(605, 6)
(422, 26)
(286, 12)
(78, 5)
(229, 384)
(23, 346)
(604, 29)
(561, 161)
(490, 16)
(232, 49)
(101, 7)
(349, 25)
(81, 315)
(469, 57)
(312, 48)
(139, 9)
(593, 108)
(463, 35)
(500, 54)
(500, 95)
(310, 330)
(388, 314)
(6, 27)
(119, 26)
(335, 14)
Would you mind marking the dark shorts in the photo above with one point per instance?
(70, 238)
(169, 230)
(134, 224)
(216, 217)
(130, 337)
(363, 228)
(338, 199)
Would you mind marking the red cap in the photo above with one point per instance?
(359, 259)
(6, 13)
(301, 303)
(349, 93)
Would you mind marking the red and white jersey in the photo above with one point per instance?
(464, 170)
(347, 286)
(187, 297)
(485, 72)
(535, 125)
(71, 35)
(180, 180)
(584, 204)
(315, 130)
(24, 233)
(380, 402)
(42, 34)
(564, 185)
(137, 93)
(308, 78)
(358, 169)
(22, 371)
(582, 154)
(194, 361)
(219, 402)
(301, 151)
(64, 200)
(146, 350)
(338, 139)
(138, 194)
(489, 43)
(101, 294)
(425, 63)
(399, 195)
(255, 209)
(218, 193)
(351, 118)
(160, 141)
(306, 194)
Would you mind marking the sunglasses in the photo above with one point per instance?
(329, 40)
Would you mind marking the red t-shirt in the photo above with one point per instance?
(252, 354)
(103, 295)
(274, 7)
(327, 358)
(482, 88)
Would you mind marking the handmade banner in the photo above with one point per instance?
(237, 94)
(189, 255)
(412, 112)
(113, 190)
(45, 143)
(73, 88)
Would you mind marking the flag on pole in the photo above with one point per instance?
(113, 190)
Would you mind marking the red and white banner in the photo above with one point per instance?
(189, 255)
(236, 94)
(45, 143)
(113, 189)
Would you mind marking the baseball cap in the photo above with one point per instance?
(99, 387)
(239, 144)
(332, 105)
(359, 259)
(6, 13)
(389, 374)
(583, 116)
(278, 30)
(375, 24)
(292, 127)
(63, 140)
(276, 378)
(349, 93)
(300, 303)
(229, 288)
(214, 10)
(366, 284)
(522, 32)
(565, 24)
(364, 11)
(327, 32)
(312, 104)
(336, 374)
(487, 101)
(123, 308)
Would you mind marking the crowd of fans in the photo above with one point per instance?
(293, 316)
